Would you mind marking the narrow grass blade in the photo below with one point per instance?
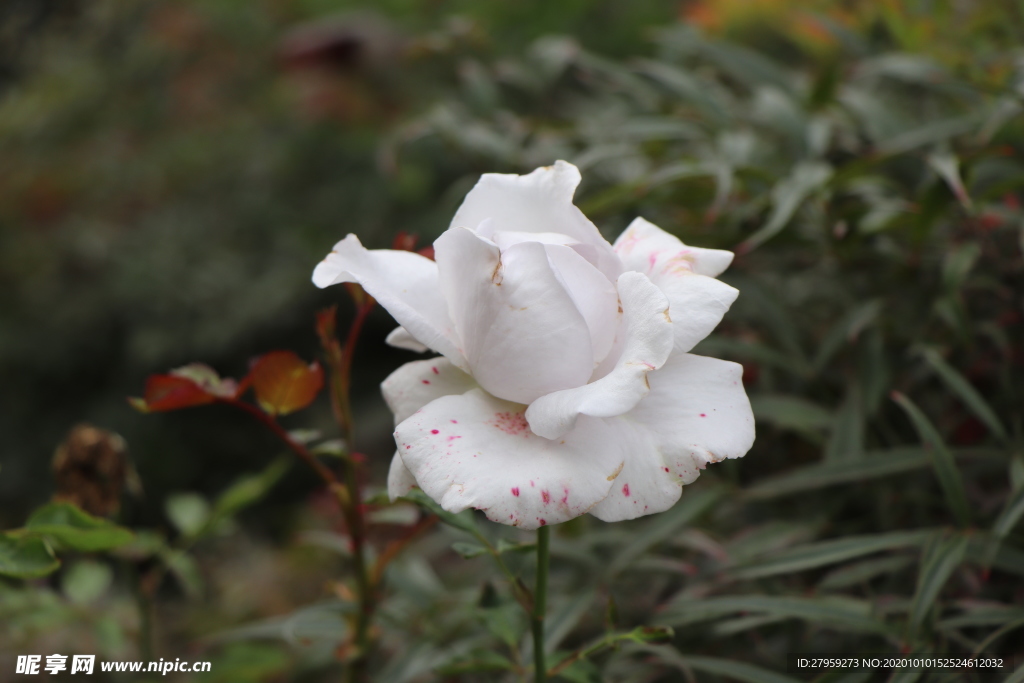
(874, 465)
(942, 460)
(939, 562)
(824, 553)
(844, 614)
(729, 668)
(965, 391)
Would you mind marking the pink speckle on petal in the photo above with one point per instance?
(455, 422)
(625, 489)
(543, 522)
(436, 372)
(565, 498)
(407, 446)
(666, 469)
(531, 482)
(433, 431)
(452, 438)
(515, 491)
(545, 496)
(512, 423)
(426, 381)
(703, 415)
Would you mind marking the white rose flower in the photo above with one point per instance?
(564, 384)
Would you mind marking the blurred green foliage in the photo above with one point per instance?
(172, 171)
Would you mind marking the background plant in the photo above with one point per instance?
(865, 162)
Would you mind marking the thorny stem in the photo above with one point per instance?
(540, 596)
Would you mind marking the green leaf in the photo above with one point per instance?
(846, 331)
(185, 570)
(1016, 677)
(1004, 524)
(790, 412)
(478, 661)
(250, 489)
(76, 529)
(462, 521)
(859, 572)
(874, 465)
(248, 663)
(842, 613)
(947, 165)
(25, 557)
(506, 622)
(942, 460)
(692, 505)
(86, 581)
(940, 560)
(787, 196)
(729, 668)
(847, 439)
(963, 389)
(468, 550)
(824, 553)
(189, 512)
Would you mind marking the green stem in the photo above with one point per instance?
(540, 598)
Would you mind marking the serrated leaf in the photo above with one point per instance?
(25, 557)
(940, 560)
(965, 391)
(942, 460)
(77, 529)
(823, 553)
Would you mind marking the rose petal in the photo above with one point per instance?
(646, 333)
(698, 412)
(594, 295)
(416, 384)
(698, 301)
(540, 202)
(476, 451)
(401, 339)
(400, 479)
(642, 243)
(521, 332)
(645, 486)
(404, 283)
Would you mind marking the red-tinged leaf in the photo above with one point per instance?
(207, 379)
(284, 383)
(190, 385)
(170, 392)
